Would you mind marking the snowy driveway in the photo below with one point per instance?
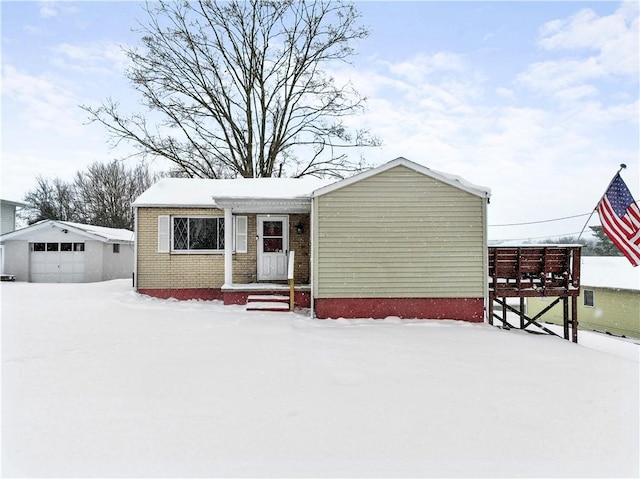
(98, 381)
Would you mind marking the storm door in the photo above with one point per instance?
(273, 247)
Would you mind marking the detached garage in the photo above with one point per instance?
(64, 252)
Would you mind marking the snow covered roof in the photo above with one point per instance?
(609, 272)
(446, 178)
(12, 203)
(109, 234)
(191, 192)
(101, 233)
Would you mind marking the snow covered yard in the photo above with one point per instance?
(99, 381)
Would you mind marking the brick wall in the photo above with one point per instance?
(166, 271)
(300, 243)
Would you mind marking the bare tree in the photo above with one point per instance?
(50, 200)
(239, 88)
(105, 193)
(101, 196)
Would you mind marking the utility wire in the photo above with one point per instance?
(541, 221)
(564, 235)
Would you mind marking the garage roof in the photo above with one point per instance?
(100, 233)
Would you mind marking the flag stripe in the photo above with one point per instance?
(611, 225)
(620, 218)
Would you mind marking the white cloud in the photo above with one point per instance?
(53, 8)
(44, 103)
(422, 66)
(599, 47)
(97, 58)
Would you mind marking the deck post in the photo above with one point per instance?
(228, 246)
(574, 319)
(565, 317)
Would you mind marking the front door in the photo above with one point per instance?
(273, 246)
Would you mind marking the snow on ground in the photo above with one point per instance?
(99, 381)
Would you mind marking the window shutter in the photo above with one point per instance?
(241, 234)
(164, 233)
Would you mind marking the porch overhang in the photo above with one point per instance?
(266, 206)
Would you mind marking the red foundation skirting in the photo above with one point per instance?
(465, 309)
(301, 298)
(184, 293)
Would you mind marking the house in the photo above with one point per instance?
(52, 251)
(8, 215)
(397, 240)
(7, 224)
(609, 299)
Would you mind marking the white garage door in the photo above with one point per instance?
(57, 262)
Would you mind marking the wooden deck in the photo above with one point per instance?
(535, 271)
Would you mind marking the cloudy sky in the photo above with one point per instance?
(537, 101)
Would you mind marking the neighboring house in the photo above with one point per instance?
(7, 225)
(398, 240)
(53, 251)
(609, 298)
(8, 215)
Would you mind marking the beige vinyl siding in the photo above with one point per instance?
(399, 234)
(615, 311)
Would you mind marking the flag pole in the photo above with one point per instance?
(622, 167)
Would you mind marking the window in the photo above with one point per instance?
(588, 298)
(116, 248)
(78, 246)
(198, 234)
(38, 247)
(52, 246)
(66, 246)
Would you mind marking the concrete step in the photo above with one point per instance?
(267, 306)
(267, 297)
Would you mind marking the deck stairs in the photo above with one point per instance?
(267, 302)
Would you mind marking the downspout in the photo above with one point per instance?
(312, 250)
(135, 248)
(485, 240)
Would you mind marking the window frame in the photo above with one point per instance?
(593, 298)
(172, 245)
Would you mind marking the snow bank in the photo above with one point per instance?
(99, 381)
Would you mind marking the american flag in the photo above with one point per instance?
(620, 218)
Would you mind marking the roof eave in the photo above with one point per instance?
(400, 161)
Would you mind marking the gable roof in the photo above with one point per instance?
(212, 193)
(446, 178)
(197, 192)
(99, 233)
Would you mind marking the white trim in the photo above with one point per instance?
(451, 180)
(312, 255)
(266, 206)
(75, 227)
(228, 246)
(173, 250)
(584, 298)
(135, 248)
(285, 245)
